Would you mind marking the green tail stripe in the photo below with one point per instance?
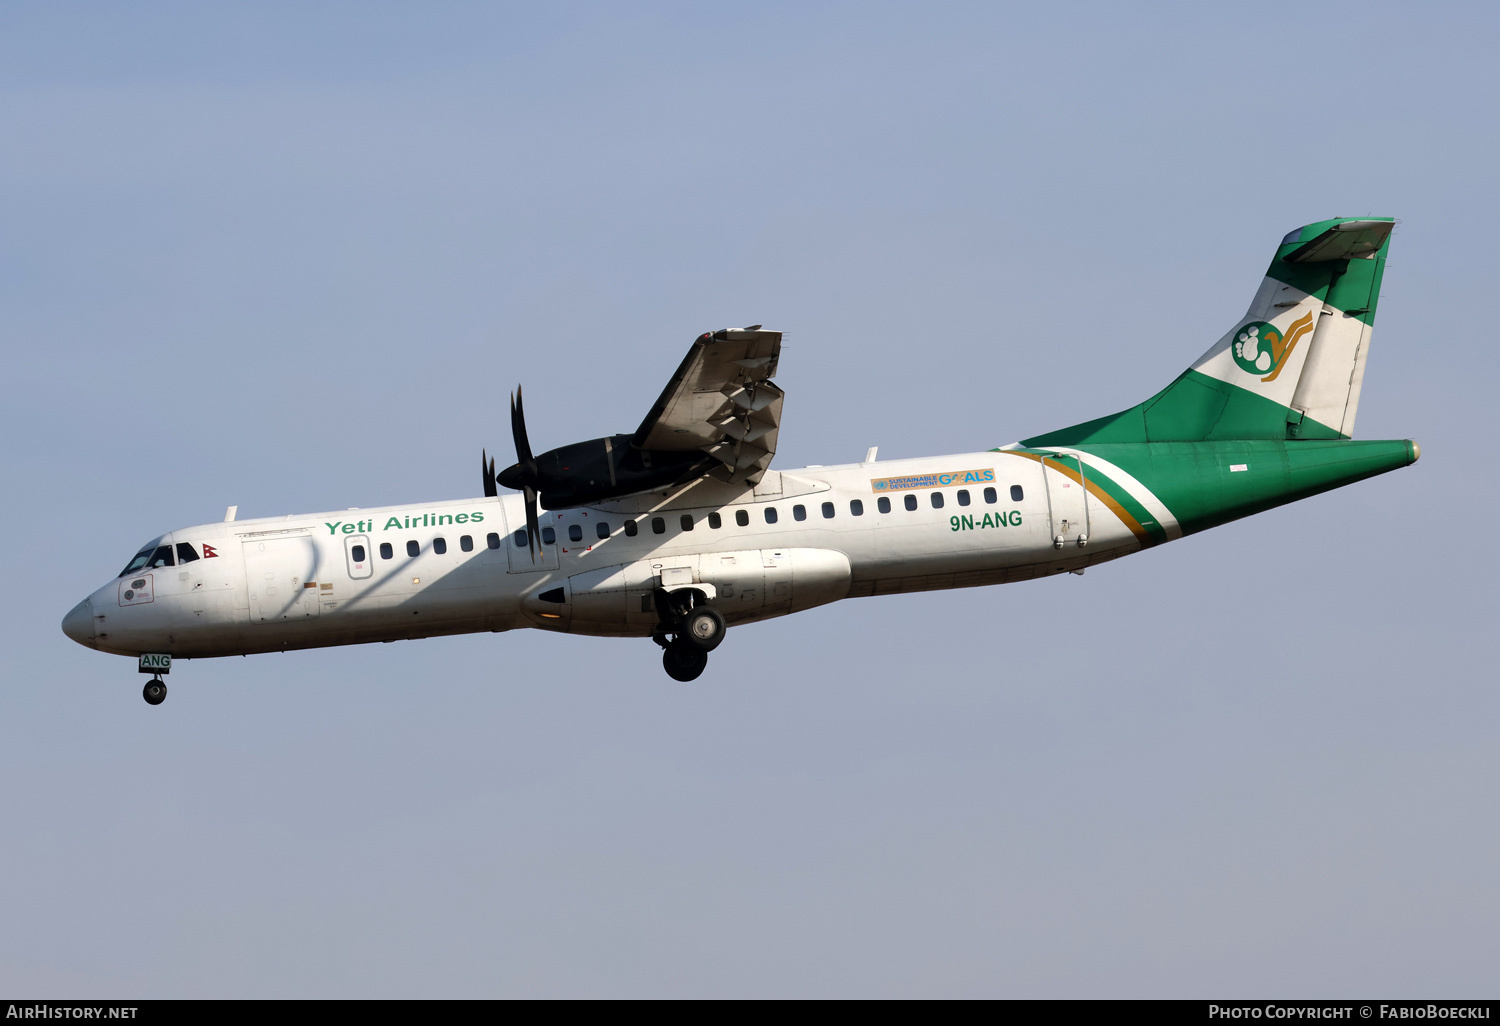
(1195, 407)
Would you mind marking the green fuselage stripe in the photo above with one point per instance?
(1155, 532)
(1205, 484)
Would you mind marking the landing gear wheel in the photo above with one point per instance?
(155, 692)
(683, 661)
(703, 628)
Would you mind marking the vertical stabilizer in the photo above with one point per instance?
(1293, 365)
(1328, 391)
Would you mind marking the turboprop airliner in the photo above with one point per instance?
(681, 530)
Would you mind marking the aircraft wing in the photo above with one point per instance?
(721, 401)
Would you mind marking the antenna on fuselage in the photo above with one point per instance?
(229, 514)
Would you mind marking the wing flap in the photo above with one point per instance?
(722, 402)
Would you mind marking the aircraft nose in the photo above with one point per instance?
(79, 623)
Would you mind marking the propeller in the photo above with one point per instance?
(523, 476)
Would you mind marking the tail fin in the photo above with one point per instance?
(1293, 366)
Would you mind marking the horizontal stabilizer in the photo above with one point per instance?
(1351, 239)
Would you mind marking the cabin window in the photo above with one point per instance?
(686, 521)
(161, 557)
(827, 511)
(770, 514)
(520, 539)
(185, 554)
(937, 500)
(413, 548)
(799, 512)
(856, 508)
(440, 546)
(963, 496)
(658, 525)
(742, 517)
(601, 530)
(466, 543)
(631, 527)
(549, 536)
(575, 532)
(883, 504)
(715, 521)
(493, 540)
(990, 497)
(911, 501)
(357, 553)
(386, 552)
(1016, 494)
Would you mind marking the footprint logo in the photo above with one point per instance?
(1261, 349)
(1252, 349)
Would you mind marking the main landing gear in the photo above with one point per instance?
(155, 691)
(696, 630)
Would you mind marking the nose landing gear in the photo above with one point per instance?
(156, 664)
(697, 630)
(155, 691)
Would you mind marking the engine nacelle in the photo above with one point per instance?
(584, 473)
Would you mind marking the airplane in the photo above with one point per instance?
(680, 530)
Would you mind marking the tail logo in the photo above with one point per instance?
(1261, 349)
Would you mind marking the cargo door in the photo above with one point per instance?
(281, 576)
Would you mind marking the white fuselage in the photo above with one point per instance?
(792, 542)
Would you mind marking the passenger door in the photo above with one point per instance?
(1066, 479)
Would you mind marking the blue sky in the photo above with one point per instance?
(293, 257)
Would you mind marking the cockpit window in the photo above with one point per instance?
(139, 561)
(161, 557)
(185, 553)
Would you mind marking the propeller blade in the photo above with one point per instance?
(523, 475)
(518, 431)
(533, 523)
(487, 468)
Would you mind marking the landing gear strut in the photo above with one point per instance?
(696, 631)
(155, 692)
